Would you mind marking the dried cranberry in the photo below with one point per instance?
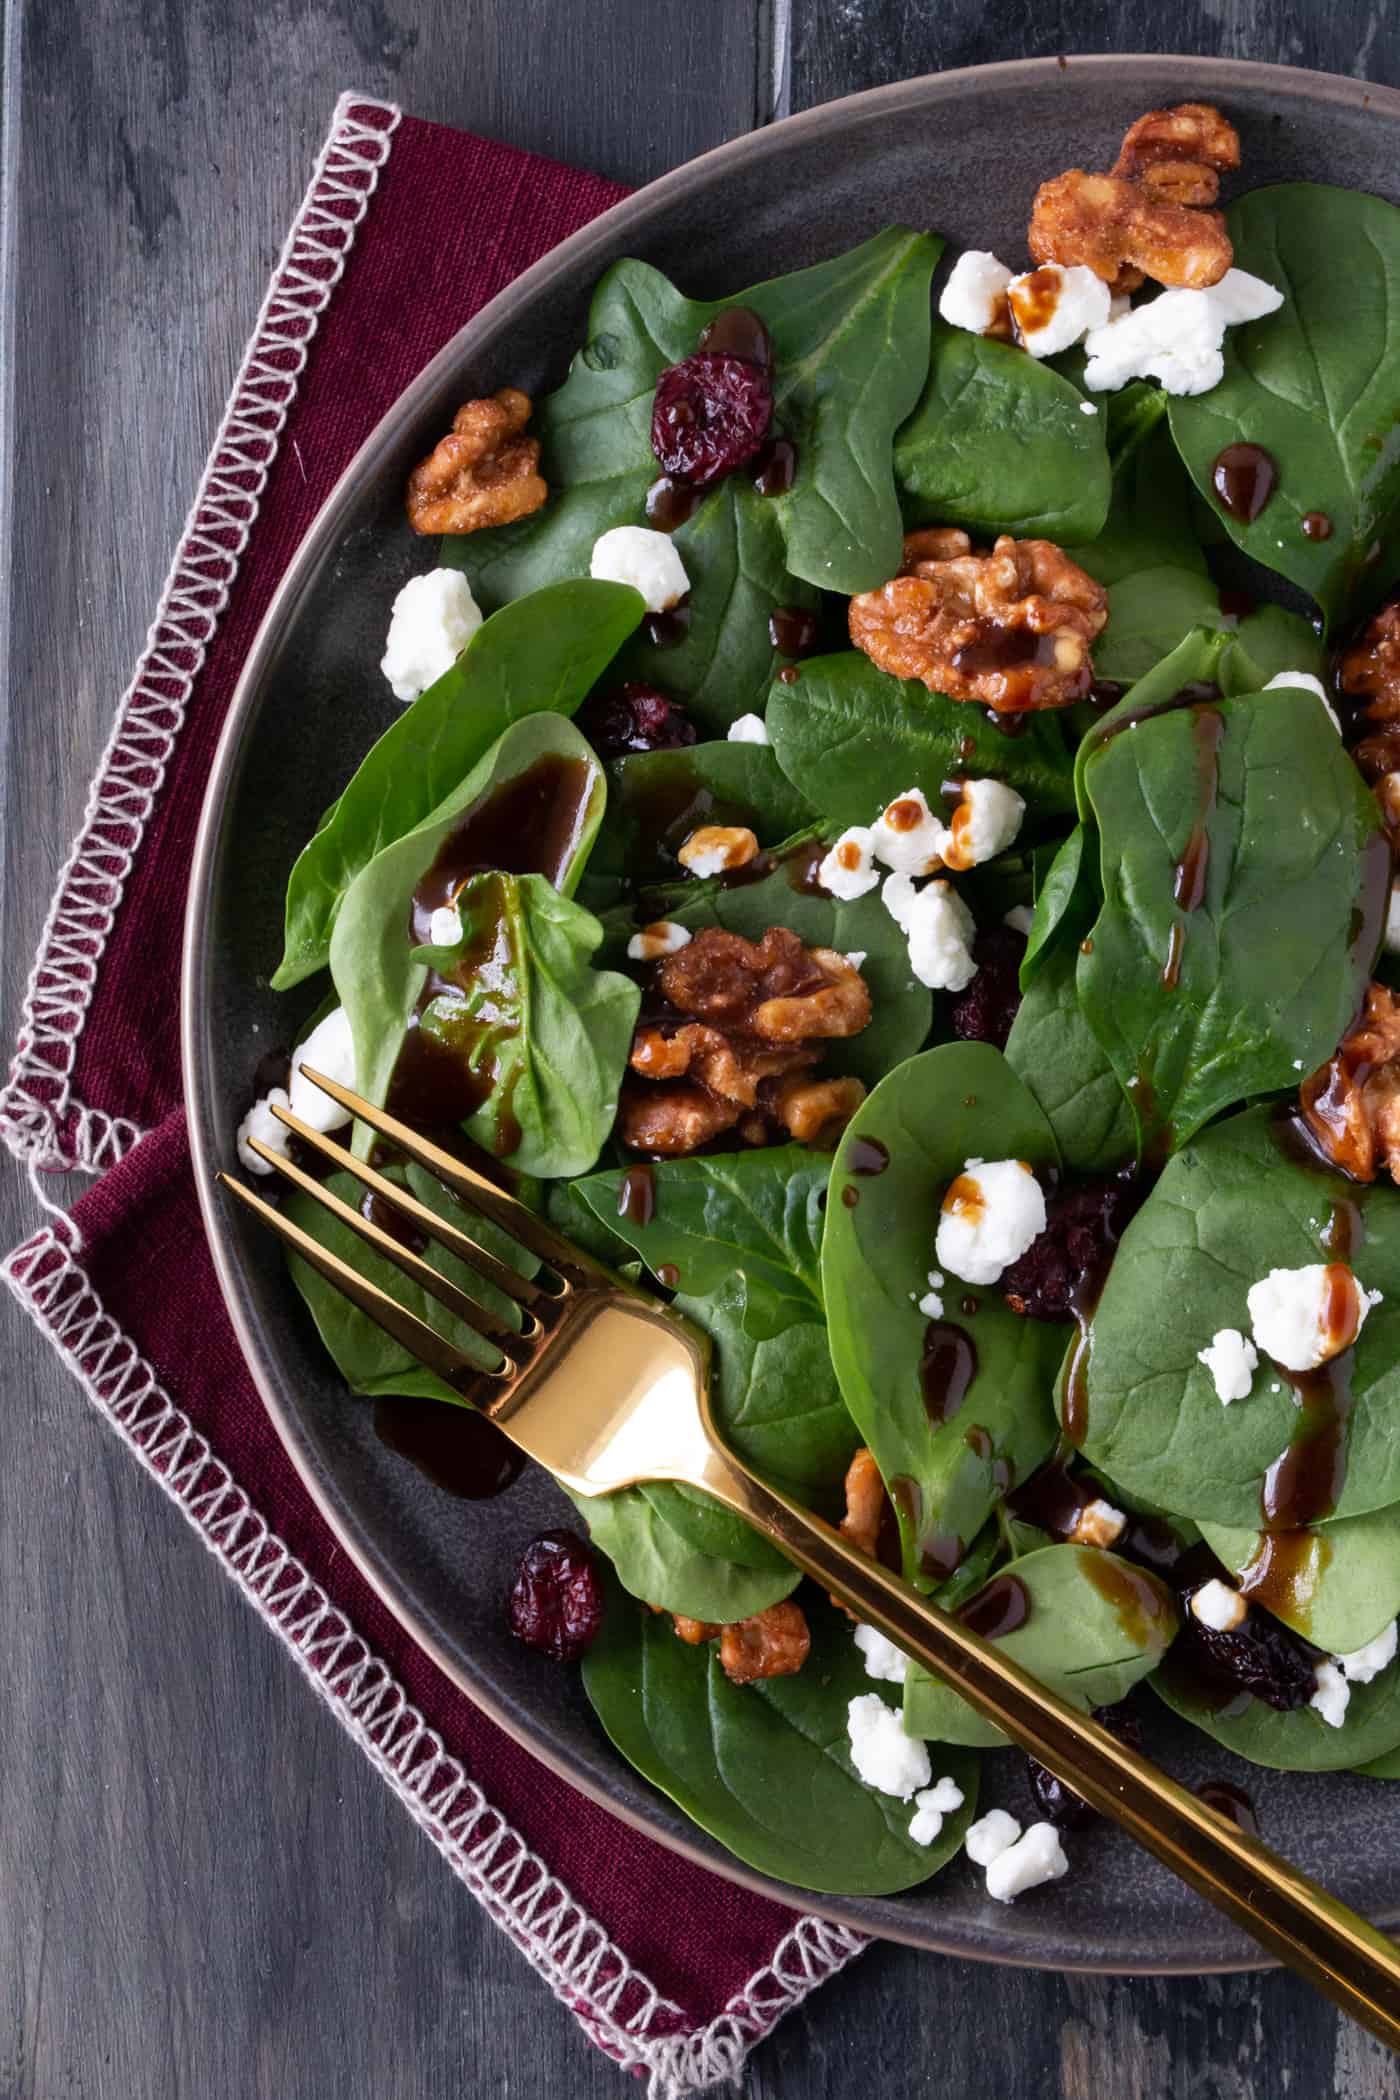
(635, 718)
(1058, 1802)
(711, 415)
(985, 1011)
(1083, 1223)
(1261, 1655)
(556, 1604)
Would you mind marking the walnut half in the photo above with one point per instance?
(1351, 1105)
(1010, 628)
(773, 1643)
(484, 472)
(1148, 217)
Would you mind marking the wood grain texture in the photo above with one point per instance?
(204, 1890)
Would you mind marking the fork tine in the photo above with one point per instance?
(417, 1337)
(458, 1302)
(442, 1230)
(465, 1182)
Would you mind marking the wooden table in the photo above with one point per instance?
(204, 1890)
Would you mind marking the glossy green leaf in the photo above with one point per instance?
(644, 1534)
(1151, 611)
(1337, 1584)
(657, 798)
(1148, 524)
(1300, 1741)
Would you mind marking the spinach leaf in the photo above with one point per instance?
(929, 1117)
(850, 351)
(528, 659)
(1054, 900)
(902, 1007)
(369, 1360)
(544, 1034)
(643, 1532)
(1339, 1584)
(765, 1768)
(850, 738)
(1150, 611)
(776, 1397)
(1148, 524)
(1001, 443)
(371, 961)
(1386, 1766)
(1317, 384)
(1226, 1210)
(1300, 1741)
(657, 798)
(1251, 809)
(1057, 1056)
(1096, 1625)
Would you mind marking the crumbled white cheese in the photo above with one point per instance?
(943, 1798)
(990, 1836)
(1020, 918)
(1332, 1696)
(1177, 337)
(856, 957)
(907, 836)
(715, 848)
(883, 1660)
(330, 1048)
(1232, 1362)
(1035, 1857)
(848, 871)
(1088, 408)
(975, 293)
(260, 1123)
(931, 1304)
(662, 937)
(434, 618)
(1098, 1524)
(1392, 920)
(899, 897)
(647, 560)
(1289, 1309)
(984, 823)
(989, 1218)
(445, 927)
(939, 929)
(883, 1755)
(1218, 1606)
(749, 729)
(1305, 682)
(1055, 305)
(1371, 1658)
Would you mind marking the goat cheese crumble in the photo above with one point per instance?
(749, 729)
(1037, 1856)
(990, 1836)
(1332, 1696)
(1367, 1661)
(935, 1802)
(445, 927)
(1178, 337)
(330, 1048)
(1232, 1362)
(1218, 1606)
(907, 836)
(883, 1661)
(1392, 920)
(984, 824)
(975, 294)
(1056, 305)
(884, 1756)
(662, 937)
(260, 1123)
(989, 1219)
(931, 1303)
(433, 619)
(1098, 1524)
(848, 871)
(647, 560)
(939, 930)
(1296, 1316)
(1020, 918)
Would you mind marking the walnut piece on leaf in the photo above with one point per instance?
(484, 472)
(1009, 629)
(1149, 217)
(775, 1642)
(1351, 1105)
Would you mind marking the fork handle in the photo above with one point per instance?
(1339, 1953)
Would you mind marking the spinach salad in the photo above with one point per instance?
(889, 844)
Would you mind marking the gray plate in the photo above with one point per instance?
(962, 152)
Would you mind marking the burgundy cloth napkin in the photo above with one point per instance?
(406, 230)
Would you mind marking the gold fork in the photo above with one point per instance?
(604, 1387)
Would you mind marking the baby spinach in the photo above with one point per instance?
(1300, 1741)
(371, 960)
(657, 798)
(1055, 898)
(546, 1033)
(850, 354)
(1001, 443)
(932, 1114)
(1150, 611)
(643, 1532)
(1095, 1627)
(1148, 524)
(1316, 384)
(1342, 1588)
(1228, 1209)
(765, 1768)
(1253, 805)
(527, 659)
(851, 738)
(1057, 1056)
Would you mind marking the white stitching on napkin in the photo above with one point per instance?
(618, 2007)
(37, 1099)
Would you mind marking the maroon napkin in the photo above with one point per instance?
(406, 230)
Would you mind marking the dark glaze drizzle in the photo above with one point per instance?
(1284, 1573)
(867, 1156)
(670, 503)
(1004, 649)
(1192, 870)
(1231, 1802)
(998, 1608)
(457, 1448)
(946, 1369)
(793, 630)
(527, 826)
(1305, 1481)
(1052, 1499)
(1138, 1603)
(980, 1444)
(389, 1218)
(636, 1195)
(775, 469)
(1244, 477)
(667, 630)
(789, 675)
(1317, 525)
(737, 331)
(1345, 1231)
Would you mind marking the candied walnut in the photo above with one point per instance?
(867, 1504)
(773, 1643)
(484, 472)
(1351, 1105)
(1149, 216)
(1010, 629)
(744, 1023)
(1370, 666)
(694, 1632)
